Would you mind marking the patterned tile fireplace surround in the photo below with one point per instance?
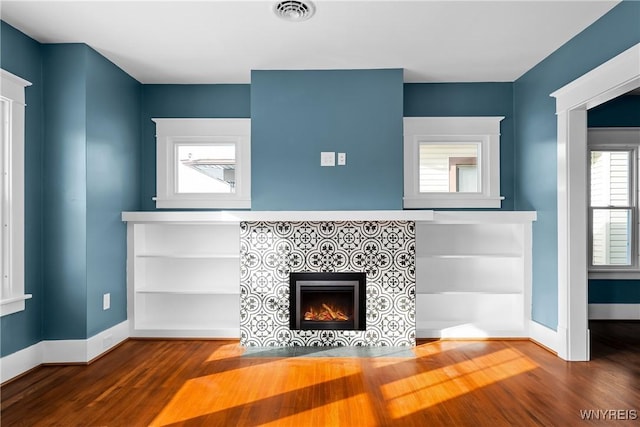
(384, 250)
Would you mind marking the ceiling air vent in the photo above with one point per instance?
(294, 10)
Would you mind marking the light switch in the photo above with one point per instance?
(327, 158)
(342, 159)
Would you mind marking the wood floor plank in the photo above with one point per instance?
(447, 383)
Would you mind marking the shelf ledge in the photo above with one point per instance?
(186, 292)
(189, 256)
(475, 292)
(232, 217)
(466, 256)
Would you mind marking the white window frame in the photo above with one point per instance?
(616, 139)
(173, 132)
(12, 95)
(484, 131)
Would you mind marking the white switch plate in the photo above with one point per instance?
(106, 301)
(327, 158)
(342, 159)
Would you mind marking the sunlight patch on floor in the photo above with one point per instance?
(418, 392)
(353, 411)
(440, 346)
(208, 394)
(226, 351)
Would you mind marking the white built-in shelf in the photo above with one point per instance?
(177, 330)
(189, 256)
(184, 279)
(461, 329)
(177, 326)
(234, 217)
(473, 270)
(473, 291)
(476, 255)
(186, 292)
(473, 275)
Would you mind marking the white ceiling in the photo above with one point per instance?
(222, 41)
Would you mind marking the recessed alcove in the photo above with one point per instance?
(226, 274)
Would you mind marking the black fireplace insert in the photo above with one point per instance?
(327, 301)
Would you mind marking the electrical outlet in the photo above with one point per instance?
(342, 159)
(327, 158)
(106, 301)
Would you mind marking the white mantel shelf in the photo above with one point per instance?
(238, 216)
(450, 217)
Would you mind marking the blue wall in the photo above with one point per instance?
(186, 101)
(21, 56)
(465, 99)
(614, 291)
(92, 124)
(429, 99)
(91, 175)
(623, 111)
(83, 117)
(112, 184)
(65, 170)
(536, 147)
(471, 99)
(295, 115)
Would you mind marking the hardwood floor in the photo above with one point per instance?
(448, 383)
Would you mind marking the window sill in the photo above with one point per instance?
(452, 202)
(13, 305)
(202, 203)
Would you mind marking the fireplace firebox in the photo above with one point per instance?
(327, 301)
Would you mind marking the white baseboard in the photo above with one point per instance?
(614, 311)
(544, 335)
(83, 351)
(62, 351)
(106, 340)
(20, 362)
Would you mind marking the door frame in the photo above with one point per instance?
(615, 77)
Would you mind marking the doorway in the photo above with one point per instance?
(610, 80)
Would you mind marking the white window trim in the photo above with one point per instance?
(12, 91)
(618, 138)
(170, 132)
(482, 130)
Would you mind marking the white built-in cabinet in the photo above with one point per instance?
(473, 271)
(184, 279)
(473, 275)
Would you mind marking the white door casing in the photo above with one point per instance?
(615, 77)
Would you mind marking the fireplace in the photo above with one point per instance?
(384, 251)
(327, 301)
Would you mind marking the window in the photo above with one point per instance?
(452, 162)
(613, 202)
(448, 168)
(12, 98)
(203, 163)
